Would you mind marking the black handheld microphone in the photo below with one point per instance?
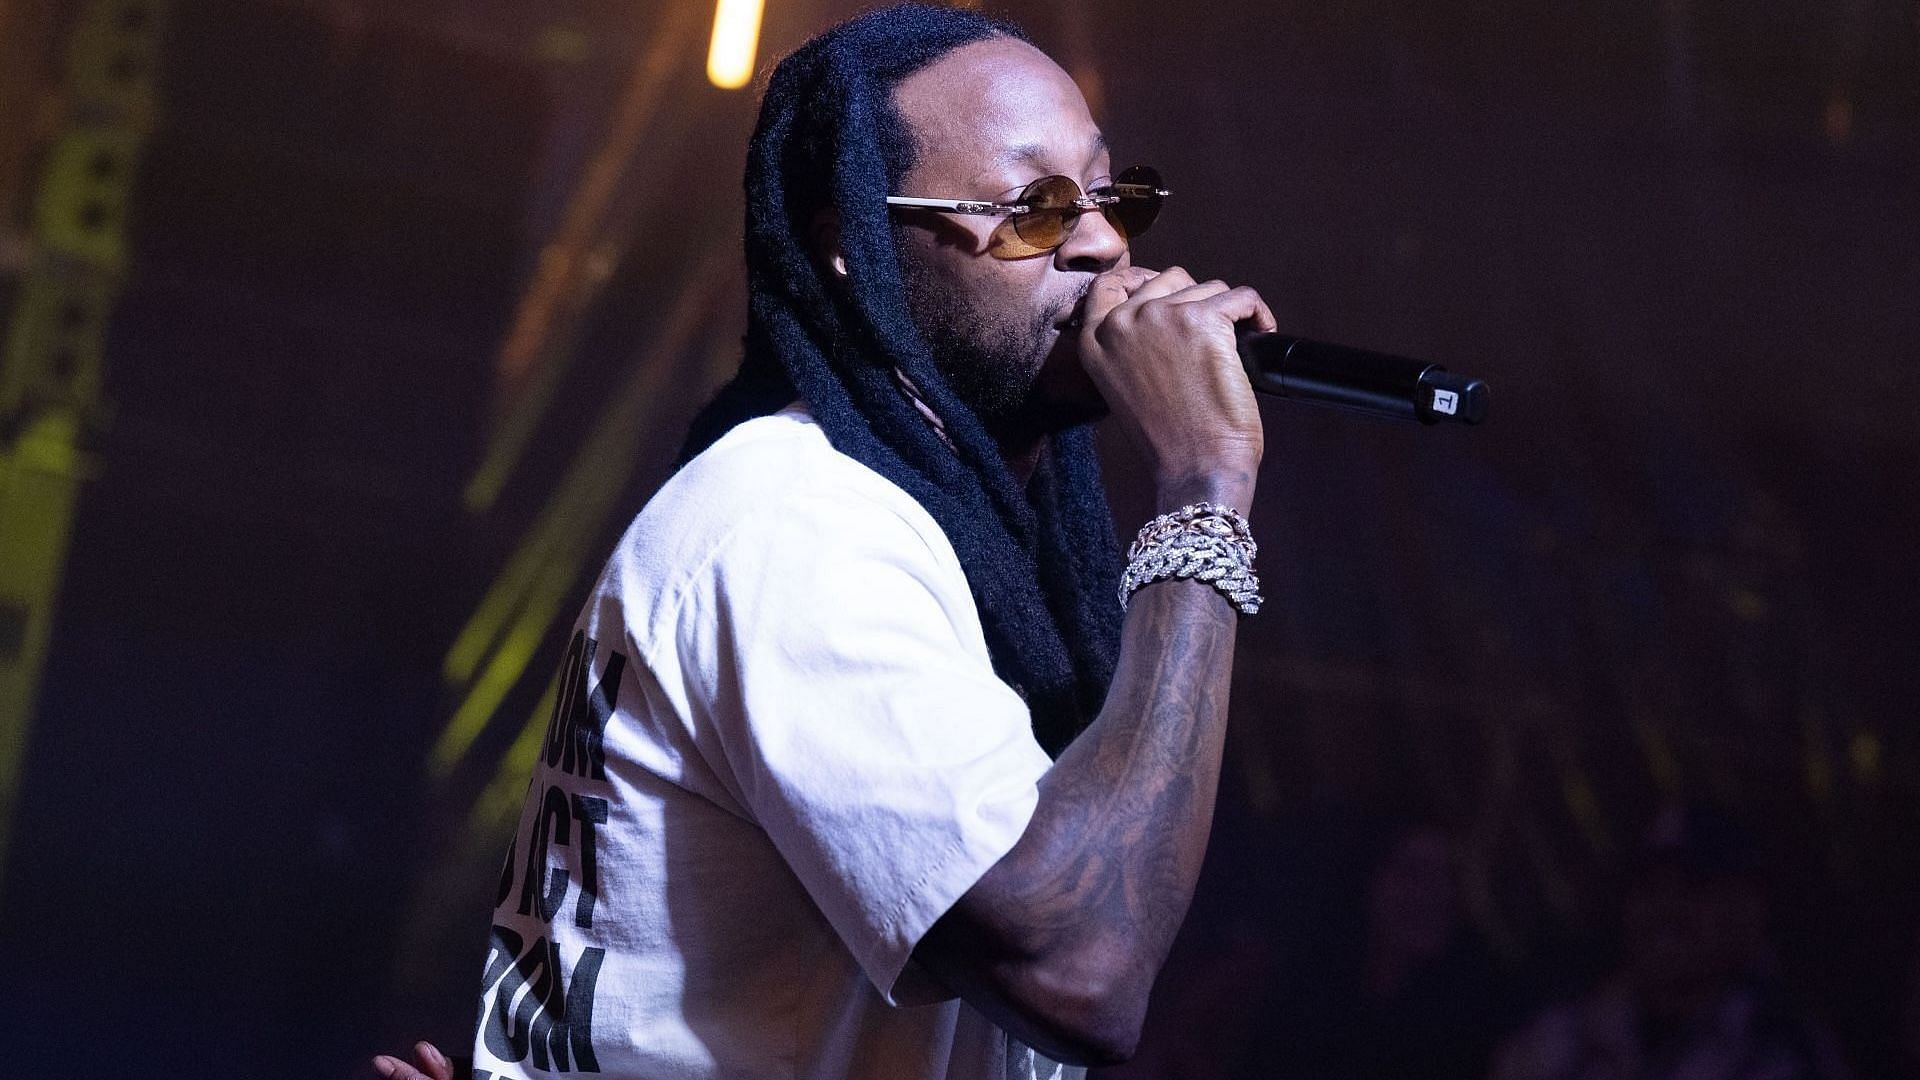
(1356, 379)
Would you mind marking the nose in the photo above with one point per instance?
(1093, 244)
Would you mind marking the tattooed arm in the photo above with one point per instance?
(1060, 941)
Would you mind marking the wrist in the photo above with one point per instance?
(1229, 487)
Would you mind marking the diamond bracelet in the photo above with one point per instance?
(1203, 542)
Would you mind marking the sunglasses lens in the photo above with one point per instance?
(1050, 201)
(1140, 199)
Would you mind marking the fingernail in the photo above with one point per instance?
(433, 1052)
(385, 1066)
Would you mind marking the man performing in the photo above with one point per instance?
(799, 813)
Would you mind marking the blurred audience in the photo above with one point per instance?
(1694, 996)
(1408, 992)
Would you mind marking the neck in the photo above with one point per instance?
(1022, 456)
(1022, 434)
(1022, 438)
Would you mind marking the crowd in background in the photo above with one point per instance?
(1378, 973)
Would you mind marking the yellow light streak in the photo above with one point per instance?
(736, 36)
(494, 811)
(492, 652)
(577, 261)
(503, 670)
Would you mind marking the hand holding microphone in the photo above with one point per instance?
(1320, 373)
(1160, 348)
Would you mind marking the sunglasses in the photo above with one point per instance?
(1046, 212)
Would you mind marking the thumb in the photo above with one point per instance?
(1109, 291)
(1106, 293)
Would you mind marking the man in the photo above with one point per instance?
(797, 814)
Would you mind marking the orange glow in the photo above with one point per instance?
(736, 36)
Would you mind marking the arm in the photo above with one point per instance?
(1059, 943)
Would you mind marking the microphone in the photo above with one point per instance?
(1368, 382)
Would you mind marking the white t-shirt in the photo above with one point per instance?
(779, 752)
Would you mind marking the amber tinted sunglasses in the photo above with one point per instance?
(1046, 212)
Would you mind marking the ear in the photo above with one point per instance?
(825, 237)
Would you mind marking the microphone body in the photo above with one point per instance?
(1370, 382)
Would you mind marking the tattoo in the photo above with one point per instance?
(1101, 880)
(1132, 821)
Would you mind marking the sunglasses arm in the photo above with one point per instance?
(958, 206)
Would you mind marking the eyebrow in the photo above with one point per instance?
(1035, 154)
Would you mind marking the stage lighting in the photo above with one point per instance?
(736, 35)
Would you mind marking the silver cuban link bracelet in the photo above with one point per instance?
(1202, 542)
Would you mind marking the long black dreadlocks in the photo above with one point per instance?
(1043, 563)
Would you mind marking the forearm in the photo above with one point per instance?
(1061, 940)
(1069, 929)
(1124, 815)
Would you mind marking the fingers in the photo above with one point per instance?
(1206, 290)
(431, 1064)
(1135, 276)
(1245, 298)
(1128, 292)
(1240, 304)
(1109, 291)
(392, 1068)
(432, 1061)
(1165, 283)
(1263, 318)
(1211, 300)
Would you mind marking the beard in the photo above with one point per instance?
(989, 356)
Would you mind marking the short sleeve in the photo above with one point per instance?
(835, 649)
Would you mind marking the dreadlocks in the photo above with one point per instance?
(1042, 563)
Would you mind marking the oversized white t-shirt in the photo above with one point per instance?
(779, 752)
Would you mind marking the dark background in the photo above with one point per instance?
(377, 246)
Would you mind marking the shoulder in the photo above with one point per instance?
(769, 498)
(769, 460)
(774, 476)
